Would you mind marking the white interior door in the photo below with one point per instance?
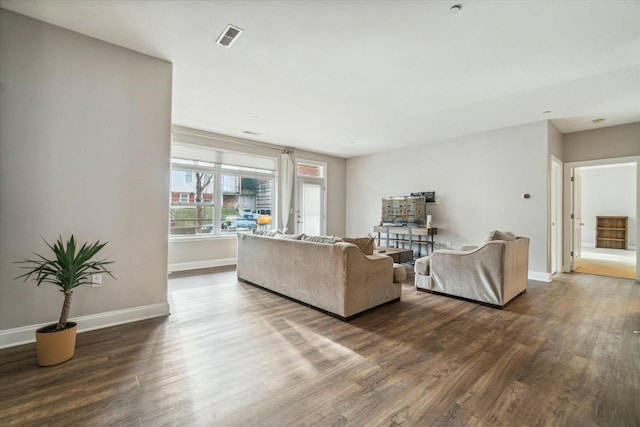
(310, 212)
(556, 216)
(576, 219)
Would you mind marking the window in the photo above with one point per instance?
(247, 204)
(191, 202)
(310, 170)
(209, 197)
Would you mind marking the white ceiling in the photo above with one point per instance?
(356, 77)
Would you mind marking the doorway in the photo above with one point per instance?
(310, 198)
(604, 219)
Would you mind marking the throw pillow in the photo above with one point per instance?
(499, 235)
(322, 239)
(366, 244)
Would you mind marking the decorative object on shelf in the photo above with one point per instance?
(69, 268)
(429, 196)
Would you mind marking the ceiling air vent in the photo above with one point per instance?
(228, 36)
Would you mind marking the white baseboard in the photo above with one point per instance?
(195, 265)
(540, 276)
(27, 334)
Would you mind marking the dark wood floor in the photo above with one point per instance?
(565, 353)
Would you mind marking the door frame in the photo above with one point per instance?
(568, 232)
(576, 217)
(322, 180)
(556, 215)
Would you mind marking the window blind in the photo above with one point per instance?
(185, 151)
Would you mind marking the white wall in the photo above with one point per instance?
(608, 191)
(479, 180)
(85, 139)
(200, 252)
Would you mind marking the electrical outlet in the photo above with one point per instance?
(96, 280)
(437, 245)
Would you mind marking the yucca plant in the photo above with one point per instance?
(70, 268)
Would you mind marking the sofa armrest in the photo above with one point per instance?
(422, 266)
(369, 281)
(516, 270)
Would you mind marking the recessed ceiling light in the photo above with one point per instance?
(597, 121)
(229, 36)
(248, 132)
(546, 112)
(455, 9)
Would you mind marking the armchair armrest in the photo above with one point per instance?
(476, 274)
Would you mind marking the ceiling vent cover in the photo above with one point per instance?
(228, 36)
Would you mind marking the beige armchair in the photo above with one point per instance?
(493, 273)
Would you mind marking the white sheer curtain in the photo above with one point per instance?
(287, 188)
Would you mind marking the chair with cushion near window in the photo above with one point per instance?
(493, 274)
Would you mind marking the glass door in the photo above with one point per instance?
(310, 216)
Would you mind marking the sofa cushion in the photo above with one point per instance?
(321, 239)
(422, 266)
(289, 236)
(366, 244)
(500, 235)
(269, 233)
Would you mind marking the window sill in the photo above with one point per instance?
(201, 238)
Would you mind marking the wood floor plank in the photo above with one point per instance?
(232, 354)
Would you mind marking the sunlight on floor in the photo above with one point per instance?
(608, 262)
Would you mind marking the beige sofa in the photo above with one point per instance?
(337, 278)
(492, 274)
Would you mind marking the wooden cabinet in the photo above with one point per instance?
(611, 232)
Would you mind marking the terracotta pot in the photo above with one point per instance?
(57, 346)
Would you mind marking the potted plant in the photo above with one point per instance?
(69, 268)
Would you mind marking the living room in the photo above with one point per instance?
(86, 125)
